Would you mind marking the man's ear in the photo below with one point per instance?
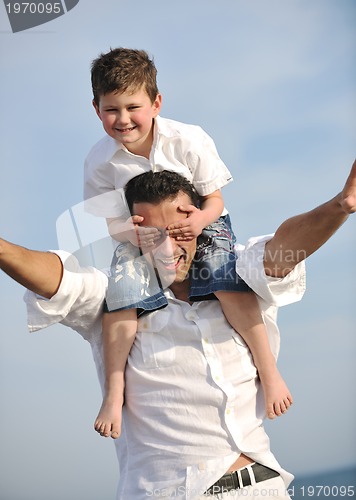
(96, 107)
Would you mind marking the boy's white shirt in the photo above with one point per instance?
(178, 147)
(78, 304)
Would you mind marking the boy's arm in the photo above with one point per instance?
(300, 236)
(211, 207)
(40, 272)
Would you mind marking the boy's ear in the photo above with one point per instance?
(157, 104)
(96, 107)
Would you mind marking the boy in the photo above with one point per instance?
(127, 101)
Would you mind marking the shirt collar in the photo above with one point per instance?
(111, 148)
(164, 127)
(161, 127)
(169, 294)
(171, 297)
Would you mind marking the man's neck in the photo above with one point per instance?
(181, 290)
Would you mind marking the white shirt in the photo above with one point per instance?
(178, 147)
(193, 402)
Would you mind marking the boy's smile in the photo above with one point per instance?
(128, 118)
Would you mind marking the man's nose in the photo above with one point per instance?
(167, 246)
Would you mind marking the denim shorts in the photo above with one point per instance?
(214, 264)
(133, 283)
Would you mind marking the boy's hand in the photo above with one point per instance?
(138, 236)
(147, 236)
(189, 228)
(130, 231)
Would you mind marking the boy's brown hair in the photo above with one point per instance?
(121, 70)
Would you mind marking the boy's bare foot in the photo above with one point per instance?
(278, 399)
(108, 421)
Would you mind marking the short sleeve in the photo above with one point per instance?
(209, 171)
(275, 291)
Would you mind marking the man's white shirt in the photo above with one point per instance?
(193, 402)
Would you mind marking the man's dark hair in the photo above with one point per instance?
(154, 187)
(123, 70)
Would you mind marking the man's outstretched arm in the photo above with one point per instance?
(40, 272)
(300, 236)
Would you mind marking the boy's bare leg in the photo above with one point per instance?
(40, 272)
(300, 236)
(119, 331)
(243, 313)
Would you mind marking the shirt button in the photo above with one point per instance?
(206, 340)
(228, 411)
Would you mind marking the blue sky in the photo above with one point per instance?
(273, 82)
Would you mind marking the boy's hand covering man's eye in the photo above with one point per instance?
(141, 236)
(190, 227)
(147, 236)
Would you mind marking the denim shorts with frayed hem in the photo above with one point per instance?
(133, 283)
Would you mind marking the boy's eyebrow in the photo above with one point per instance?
(109, 105)
(112, 105)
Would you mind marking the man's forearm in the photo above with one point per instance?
(300, 236)
(40, 272)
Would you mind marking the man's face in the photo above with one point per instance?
(172, 258)
(127, 118)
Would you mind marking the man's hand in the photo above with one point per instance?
(348, 194)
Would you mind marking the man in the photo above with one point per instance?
(193, 408)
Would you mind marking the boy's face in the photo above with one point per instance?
(128, 118)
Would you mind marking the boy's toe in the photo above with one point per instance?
(116, 431)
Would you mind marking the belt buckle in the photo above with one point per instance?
(242, 478)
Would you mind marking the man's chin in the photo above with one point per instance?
(166, 276)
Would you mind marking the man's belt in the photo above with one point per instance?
(241, 478)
